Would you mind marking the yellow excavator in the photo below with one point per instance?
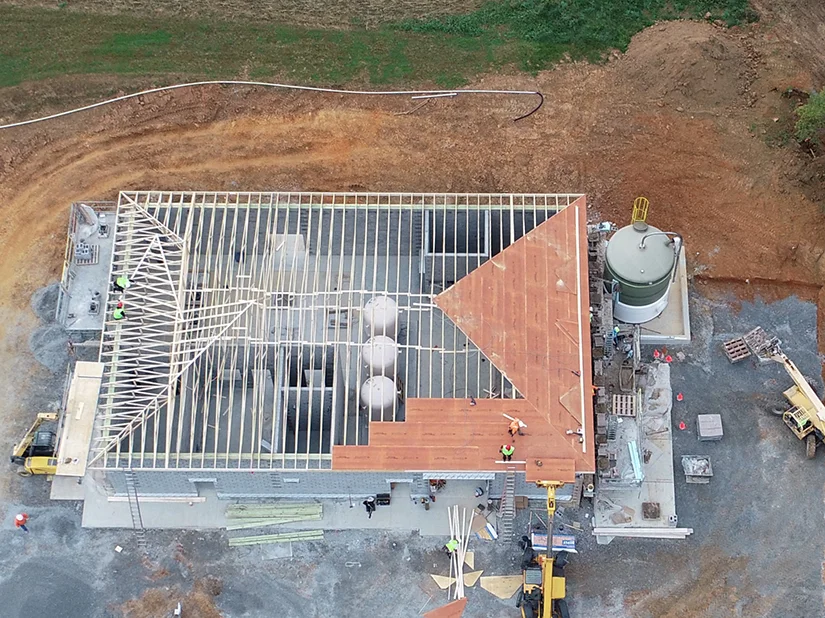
(36, 451)
(543, 585)
(806, 414)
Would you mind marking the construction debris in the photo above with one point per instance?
(283, 537)
(697, 468)
(502, 586)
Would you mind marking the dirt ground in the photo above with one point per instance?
(683, 118)
(312, 13)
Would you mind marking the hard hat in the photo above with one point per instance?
(20, 517)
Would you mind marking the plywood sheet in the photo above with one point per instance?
(450, 610)
(563, 470)
(471, 578)
(78, 419)
(527, 310)
(502, 586)
(442, 581)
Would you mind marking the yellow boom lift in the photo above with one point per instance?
(806, 414)
(543, 585)
(35, 452)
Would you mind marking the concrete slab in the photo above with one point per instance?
(67, 488)
(673, 325)
(86, 282)
(658, 486)
(209, 511)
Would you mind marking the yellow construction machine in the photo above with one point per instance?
(36, 451)
(543, 585)
(806, 414)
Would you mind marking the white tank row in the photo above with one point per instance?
(380, 353)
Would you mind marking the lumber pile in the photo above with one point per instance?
(248, 516)
(281, 537)
(644, 533)
(460, 529)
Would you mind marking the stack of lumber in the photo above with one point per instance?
(460, 530)
(281, 537)
(243, 516)
(250, 516)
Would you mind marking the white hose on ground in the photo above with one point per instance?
(411, 93)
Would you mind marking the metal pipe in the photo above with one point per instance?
(412, 93)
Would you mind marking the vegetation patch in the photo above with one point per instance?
(38, 43)
(810, 123)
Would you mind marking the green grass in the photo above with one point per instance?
(532, 34)
(549, 30)
(810, 124)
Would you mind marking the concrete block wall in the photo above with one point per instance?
(258, 484)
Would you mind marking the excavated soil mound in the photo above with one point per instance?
(687, 63)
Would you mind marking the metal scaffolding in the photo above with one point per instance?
(242, 341)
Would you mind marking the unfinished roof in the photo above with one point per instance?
(526, 309)
(245, 339)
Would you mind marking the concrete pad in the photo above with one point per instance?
(101, 512)
(67, 488)
(672, 327)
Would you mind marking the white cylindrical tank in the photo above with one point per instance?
(381, 316)
(379, 354)
(378, 393)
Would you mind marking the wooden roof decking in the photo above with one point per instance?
(526, 309)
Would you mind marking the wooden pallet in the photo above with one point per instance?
(624, 405)
(759, 342)
(736, 350)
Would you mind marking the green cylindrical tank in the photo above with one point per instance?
(642, 269)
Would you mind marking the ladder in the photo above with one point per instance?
(508, 506)
(134, 509)
(640, 207)
(575, 501)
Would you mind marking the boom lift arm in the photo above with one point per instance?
(806, 416)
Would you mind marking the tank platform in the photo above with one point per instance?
(672, 326)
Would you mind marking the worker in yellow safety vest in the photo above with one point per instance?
(119, 313)
(451, 546)
(507, 451)
(122, 283)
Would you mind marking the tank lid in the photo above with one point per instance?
(628, 261)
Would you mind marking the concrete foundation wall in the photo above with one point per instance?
(245, 484)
